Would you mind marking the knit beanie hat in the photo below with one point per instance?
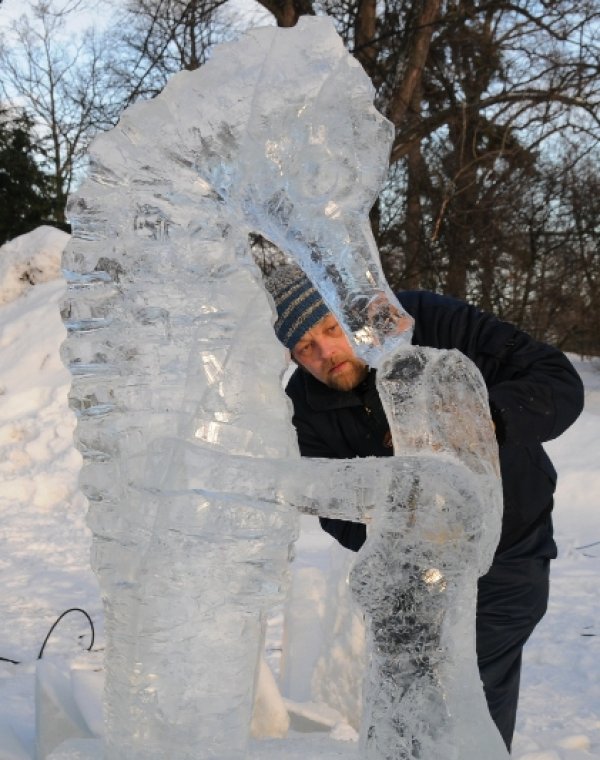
(299, 304)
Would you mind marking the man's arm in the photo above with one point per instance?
(351, 535)
(535, 393)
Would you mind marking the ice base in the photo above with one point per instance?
(296, 747)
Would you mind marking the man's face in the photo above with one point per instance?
(325, 352)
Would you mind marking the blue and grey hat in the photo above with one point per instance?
(299, 304)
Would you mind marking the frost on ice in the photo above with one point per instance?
(191, 465)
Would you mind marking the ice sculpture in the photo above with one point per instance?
(190, 462)
(434, 533)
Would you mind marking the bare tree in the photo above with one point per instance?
(485, 95)
(479, 91)
(508, 85)
(157, 38)
(554, 262)
(60, 84)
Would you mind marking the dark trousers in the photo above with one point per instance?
(512, 599)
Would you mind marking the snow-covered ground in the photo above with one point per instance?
(44, 542)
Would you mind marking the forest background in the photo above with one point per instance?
(493, 189)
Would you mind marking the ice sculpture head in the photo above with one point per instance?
(287, 167)
(321, 176)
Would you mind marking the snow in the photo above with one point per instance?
(30, 260)
(44, 547)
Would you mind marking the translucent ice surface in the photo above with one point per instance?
(191, 465)
(434, 532)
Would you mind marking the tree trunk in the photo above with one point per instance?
(365, 28)
(416, 60)
(287, 12)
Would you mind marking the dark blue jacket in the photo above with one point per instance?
(534, 393)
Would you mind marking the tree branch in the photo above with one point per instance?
(427, 126)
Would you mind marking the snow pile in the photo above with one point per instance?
(30, 260)
(44, 562)
(44, 542)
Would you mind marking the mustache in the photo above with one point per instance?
(335, 362)
(341, 359)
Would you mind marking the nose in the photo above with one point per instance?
(327, 347)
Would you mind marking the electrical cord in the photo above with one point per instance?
(56, 622)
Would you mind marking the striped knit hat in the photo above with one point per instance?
(298, 303)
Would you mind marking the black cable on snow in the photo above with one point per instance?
(56, 622)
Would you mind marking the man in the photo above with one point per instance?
(534, 395)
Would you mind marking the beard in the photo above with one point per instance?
(351, 375)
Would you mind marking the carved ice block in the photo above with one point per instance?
(434, 532)
(176, 370)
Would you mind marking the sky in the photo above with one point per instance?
(97, 12)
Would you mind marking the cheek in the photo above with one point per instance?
(308, 364)
(346, 346)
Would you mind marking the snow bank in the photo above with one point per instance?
(30, 260)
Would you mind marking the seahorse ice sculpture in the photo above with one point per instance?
(176, 370)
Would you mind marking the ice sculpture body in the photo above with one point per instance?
(183, 425)
(434, 532)
(171, 341)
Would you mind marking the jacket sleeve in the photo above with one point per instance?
(535, 393)
(350, 535)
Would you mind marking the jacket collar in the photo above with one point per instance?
(322, 398)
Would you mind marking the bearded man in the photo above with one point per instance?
(534, 395)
